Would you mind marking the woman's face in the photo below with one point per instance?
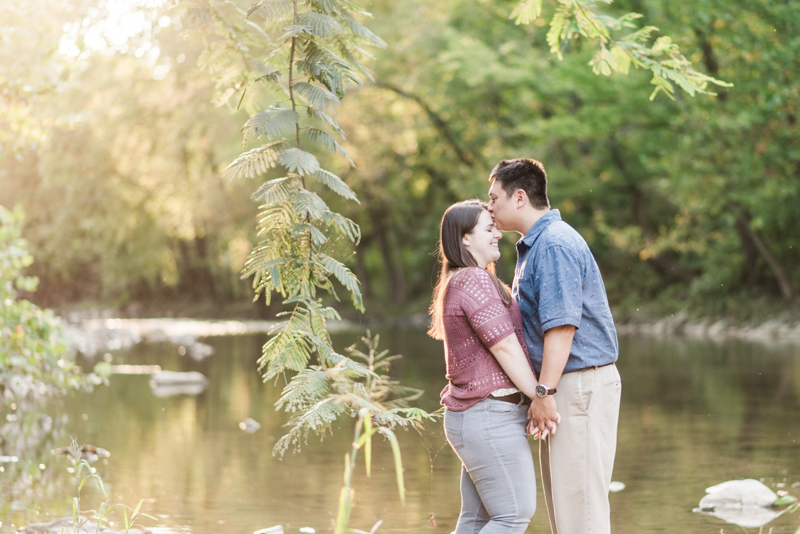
(481, 242)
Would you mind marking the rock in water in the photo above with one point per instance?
(747, 492)
(746, 503)
(249, 425)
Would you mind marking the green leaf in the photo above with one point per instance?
(526, 12)
(318, 97)
(558, 24)
(256, 161)
(296, 160)
(336, 184)
(272, 122)
(786, 499)
(623, 60)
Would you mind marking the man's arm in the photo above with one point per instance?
(543, 412)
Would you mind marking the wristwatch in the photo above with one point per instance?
(543, 391)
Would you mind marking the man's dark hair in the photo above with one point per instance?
(526, 174)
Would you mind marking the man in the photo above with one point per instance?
(573, 346)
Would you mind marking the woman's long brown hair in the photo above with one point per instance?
(458, 220)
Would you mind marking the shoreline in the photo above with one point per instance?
(92, 336)
(777, 330)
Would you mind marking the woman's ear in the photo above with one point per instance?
(465, 240)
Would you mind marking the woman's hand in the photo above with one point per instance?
(541, 431)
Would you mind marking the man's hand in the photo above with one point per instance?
(544, 417)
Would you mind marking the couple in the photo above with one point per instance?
(537, 358)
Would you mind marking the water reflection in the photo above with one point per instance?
(693, 414)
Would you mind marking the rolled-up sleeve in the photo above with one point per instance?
(559, 283)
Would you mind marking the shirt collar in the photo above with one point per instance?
(545, 221)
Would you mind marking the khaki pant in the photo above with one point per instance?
(576, 463)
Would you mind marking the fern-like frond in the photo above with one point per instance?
(318, 97)
(353, 60)
(324, 66)
(527, 11)
(302, 163)
(271, 9)
(218, 56)
(318, 136)
(287, 350)
(329, 7)
(309, 204)
(315, 24)
(345, 277)
(336, 184)
(267, 73)
(345, 225)
(256, 161)
(305, 389)
(276, 191)
(321, 115)
(272, 122)
(317, 237)
(362, 31)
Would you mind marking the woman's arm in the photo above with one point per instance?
(508, 353)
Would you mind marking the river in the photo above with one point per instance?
(694, 414)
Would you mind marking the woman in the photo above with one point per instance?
(489, 373)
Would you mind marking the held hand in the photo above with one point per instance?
(533, 430)
(544, 417)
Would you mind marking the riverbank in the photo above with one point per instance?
(780, 330)
(98, 332)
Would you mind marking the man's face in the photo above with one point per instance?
(501, 207)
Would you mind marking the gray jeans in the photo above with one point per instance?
(498, 482)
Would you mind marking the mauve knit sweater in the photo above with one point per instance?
(475, 319)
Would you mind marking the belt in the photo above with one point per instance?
(590, 367)
(514, 398)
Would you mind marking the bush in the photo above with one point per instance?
(34, 355)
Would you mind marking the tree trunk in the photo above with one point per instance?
(394, 269)
(772, 263)
(662, 264)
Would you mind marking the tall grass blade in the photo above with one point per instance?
(398, 462)
(368, 444)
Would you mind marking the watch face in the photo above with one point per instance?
(541, 391)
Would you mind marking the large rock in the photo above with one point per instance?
(747, 503)
(738, 493)
(166, 383)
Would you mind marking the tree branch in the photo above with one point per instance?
(467, 158)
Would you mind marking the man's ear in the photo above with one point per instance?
(520, 198)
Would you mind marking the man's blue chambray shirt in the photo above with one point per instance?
(557, 282)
